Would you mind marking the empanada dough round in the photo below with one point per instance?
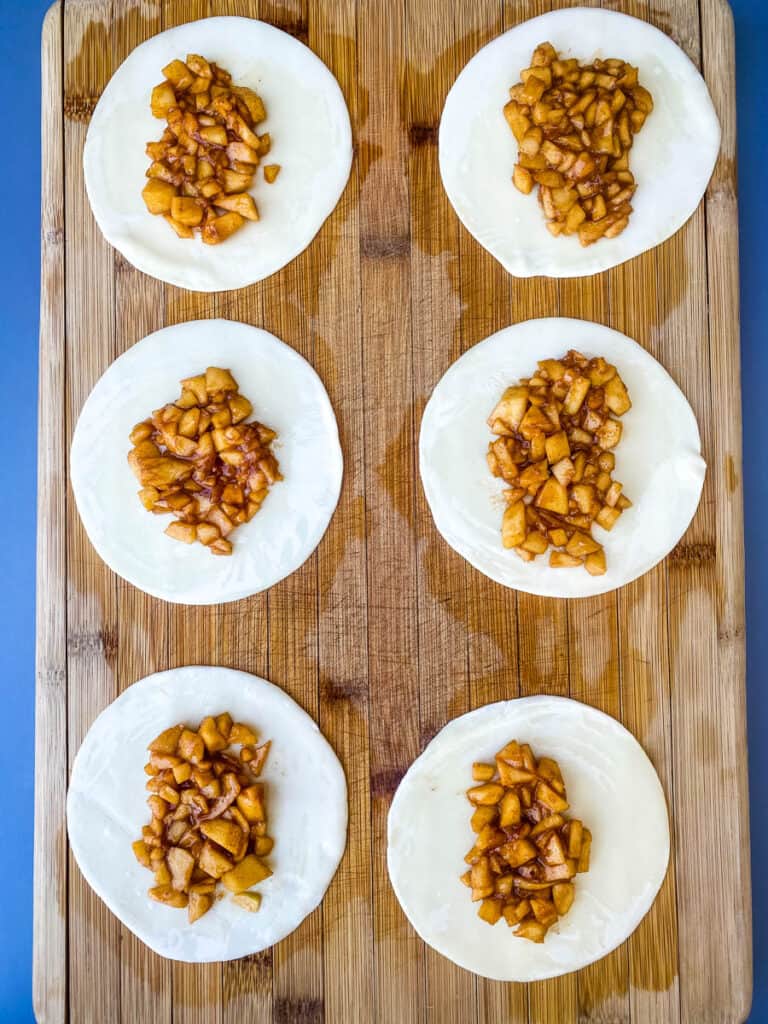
(306, 805)
(307, 119)
(672, 156)
(658, 459)
(287, 395)
(611, 785)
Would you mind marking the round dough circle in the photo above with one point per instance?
(672, 156)
(611, 785)
(311, 140)
(286, 394)
(307, 804)
(658, 459)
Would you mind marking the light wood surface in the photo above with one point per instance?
(385, 633)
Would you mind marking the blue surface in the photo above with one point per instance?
(19, 263)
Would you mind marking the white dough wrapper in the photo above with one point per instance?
(287, 395)
(658, 459)
(307, 119)
(306, 802)
(611, 785)
(672, 157)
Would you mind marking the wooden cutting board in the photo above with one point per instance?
(385, 634)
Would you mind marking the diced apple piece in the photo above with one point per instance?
(236, 181)
(576, 395)
(199, 903)
(141, 852)
(185, 532)
(181, 772)
(197, 386)
(218, 229)
(575, 837)
(535, 421)
(239, 151)
(163, 99)
(213, 862)
(186, 211)
(214, 135)
(240, 408)
(250, 871)
(557, 447)
(564, 471)
(488, 793)
(595, 563)
(241, 733)
(263, 846)
(581, 544)
(553, 851)
(490, 910)
(250, 901)
(546, 795)
(250, 803)
(516, 911)
(517, 852)
(509, 809)
(532, 930)
(181, 865)
(512, 776)
(607, 517)
(551, 821)
(586, 846)
(511, 754)
(211, 736)
(512, 407)
(241, 203)
(167, 741)
(535, 542)
(562, 895)
(483, 815)
(522, 179)
(480, 877)
(169, 896)
(553, 497)
(179, 74)
(224, 833)
(544, 911)
(600, 372)
(158, 196)
(253, 102)
(191, 746)
(513, 525)
(616, 396)
(218, 380)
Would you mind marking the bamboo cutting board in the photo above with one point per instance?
(385, 633)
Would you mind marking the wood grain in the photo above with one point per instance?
(143, 642)
(297, 978)
(92, 636)
(385, 633)
(51, 711)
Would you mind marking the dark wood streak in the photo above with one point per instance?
(298, 1011)
(383, 248)
(79, 108)
(423, 134)
(693, 554)
(294, 26)
(102, 642)
(385, 782)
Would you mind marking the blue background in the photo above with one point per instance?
(19, 274)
